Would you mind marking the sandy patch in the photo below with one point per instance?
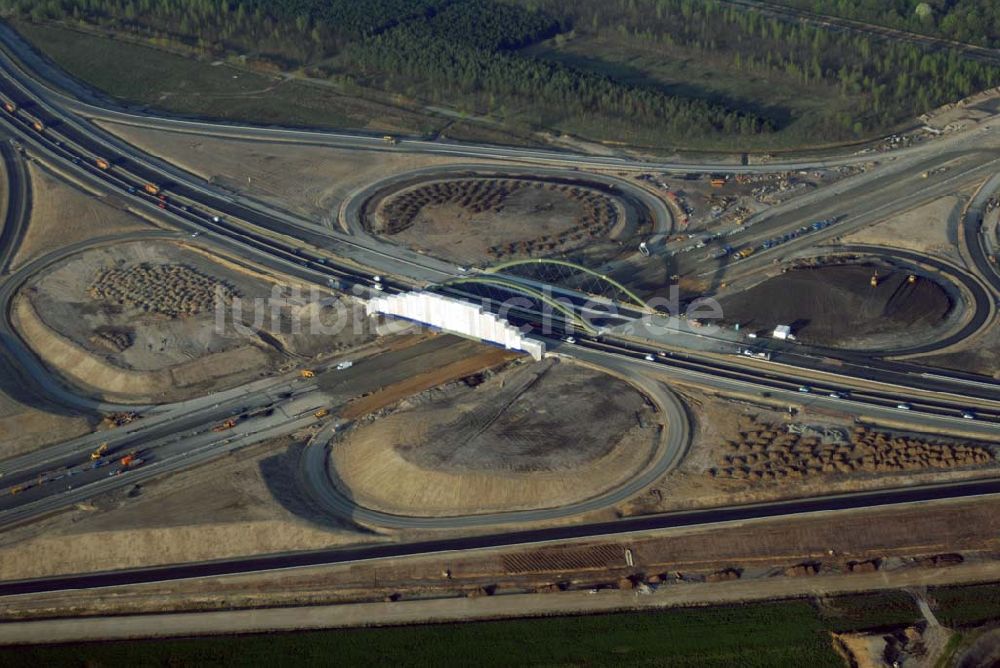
(155, 320)
(932, 228)
(441, 457)
(62, 215)
(310, 180)
(24, 428)
(241, 504)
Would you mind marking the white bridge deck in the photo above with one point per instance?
(456, 317)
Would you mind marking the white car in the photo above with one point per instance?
(346, 364)
(904, 406)
(649, 358)
(569, 339)
(968, 415)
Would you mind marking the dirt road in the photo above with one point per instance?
(460, 609)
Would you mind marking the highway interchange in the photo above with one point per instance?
(179, 435)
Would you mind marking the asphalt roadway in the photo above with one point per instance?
(870, 195)
(182, 435)
(617, 529)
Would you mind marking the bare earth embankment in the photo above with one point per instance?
(513, 442)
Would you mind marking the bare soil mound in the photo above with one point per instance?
(158, 319)
(515, 441)
(485, 220)
(525, 425)
(836, 305)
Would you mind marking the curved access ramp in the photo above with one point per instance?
(675, 438)
(19, 355)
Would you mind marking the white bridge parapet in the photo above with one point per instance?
(455, 316)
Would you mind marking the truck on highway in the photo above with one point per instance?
(151, 188)
(36, 122)
(99, 452)
(8, 104)
(102, 163)
(307, 373)
(321, 413)
(746, 252)
(228, 424)
(389, 139)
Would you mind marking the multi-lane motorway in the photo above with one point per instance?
(179, 435)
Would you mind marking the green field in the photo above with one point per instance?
(875, 610)
(966, 606)
(183, 85)
(784, 633)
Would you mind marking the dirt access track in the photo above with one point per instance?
(162, 321)
(514, 441)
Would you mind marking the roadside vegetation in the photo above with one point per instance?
(661, 73)
(788, 633)
(971, 21)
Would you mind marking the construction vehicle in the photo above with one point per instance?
(102, 163)
(228, 424)
(99, 452)
(321, 413)
(389, 139)
(307, 373)
(151, 188)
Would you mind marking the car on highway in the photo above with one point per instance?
(904, 406)
(569, 339)
(838, 395)
(216, 219)
(968, 415)
(805, 389)
(346, 364)
(649, 357)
